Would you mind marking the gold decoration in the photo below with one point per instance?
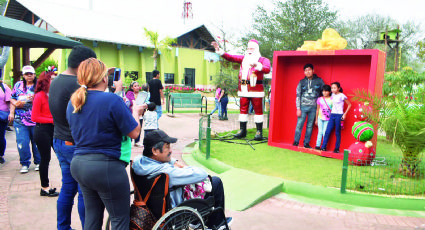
(331, 40)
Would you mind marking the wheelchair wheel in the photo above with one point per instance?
(180, 218)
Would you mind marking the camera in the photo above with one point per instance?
(117, 74)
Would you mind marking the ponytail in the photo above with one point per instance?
(90, 73)
(78, 99)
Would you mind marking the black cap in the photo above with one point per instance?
(156, 136)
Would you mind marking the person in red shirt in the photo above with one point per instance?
(43, 131)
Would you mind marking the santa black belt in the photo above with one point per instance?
(247, 82)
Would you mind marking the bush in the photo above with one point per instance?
(45, 65)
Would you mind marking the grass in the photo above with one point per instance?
(316, 170)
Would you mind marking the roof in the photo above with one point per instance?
(200, 33)
(21, 34)
(83, 23)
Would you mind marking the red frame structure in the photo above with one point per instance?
(354, 69)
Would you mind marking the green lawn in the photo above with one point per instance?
(316, 170)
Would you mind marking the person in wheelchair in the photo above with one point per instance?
(157, 159)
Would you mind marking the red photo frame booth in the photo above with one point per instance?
(354, 69)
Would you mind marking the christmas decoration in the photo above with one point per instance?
(362, 131)
(361, 154)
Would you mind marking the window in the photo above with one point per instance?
(148, 76)
(169, 78)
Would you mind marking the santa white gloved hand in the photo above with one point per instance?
(253, 78)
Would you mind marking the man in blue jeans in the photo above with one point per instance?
(308, 90)
(61, 89)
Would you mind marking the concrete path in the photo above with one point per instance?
(21, 206)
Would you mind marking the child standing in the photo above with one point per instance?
(323, 113)
(337, 115)
(151, 119)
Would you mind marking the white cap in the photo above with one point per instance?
(28, 69)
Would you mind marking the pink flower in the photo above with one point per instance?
(181, 88)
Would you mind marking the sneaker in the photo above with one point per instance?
(24, 169)
(51, 193)
(295, 143)
(307, 146)
(9, 129)
(37, 167)
(229, 222)
(317, 148)
(2, 160)
(336, 151)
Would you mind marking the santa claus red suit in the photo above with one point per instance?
(251, 88)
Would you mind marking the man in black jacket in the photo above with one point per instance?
(308, 90)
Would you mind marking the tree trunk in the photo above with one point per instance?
(410, 165)
(155, 59)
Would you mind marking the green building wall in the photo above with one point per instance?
(140, 60)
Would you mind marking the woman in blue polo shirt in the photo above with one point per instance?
(100, 123)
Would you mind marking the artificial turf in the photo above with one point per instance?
(287, 164)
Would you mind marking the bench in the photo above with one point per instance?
(186, 100)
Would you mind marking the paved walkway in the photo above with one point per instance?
(21, 206)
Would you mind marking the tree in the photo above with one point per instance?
(3, 4)
(289, 25)
(421, 50)
(164, 43)
(401, 114)
(363, 31)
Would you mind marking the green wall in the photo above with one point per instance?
(131, 58)
(173, 60)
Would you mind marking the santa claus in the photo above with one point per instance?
(251, 88)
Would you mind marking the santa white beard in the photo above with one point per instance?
(247, 63)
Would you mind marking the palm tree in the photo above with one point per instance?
(164, 43)
(401, 117)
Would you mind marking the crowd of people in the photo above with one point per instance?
(90, 125)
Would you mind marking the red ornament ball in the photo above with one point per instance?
(360, 155)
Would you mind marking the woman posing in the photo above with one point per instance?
(43, 130)
(20, 113)
(98, 123)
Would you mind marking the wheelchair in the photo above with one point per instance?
(189, 215)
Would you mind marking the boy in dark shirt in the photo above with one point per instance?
(61, 89)
(156, 90)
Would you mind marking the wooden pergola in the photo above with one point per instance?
(21, 35)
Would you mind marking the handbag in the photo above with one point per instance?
(141, 218)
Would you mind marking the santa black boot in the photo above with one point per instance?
(242, 131)
(259, 133)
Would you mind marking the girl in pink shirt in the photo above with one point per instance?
(323, 113)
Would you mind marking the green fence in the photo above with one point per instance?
(205, 134)
(389, 175)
